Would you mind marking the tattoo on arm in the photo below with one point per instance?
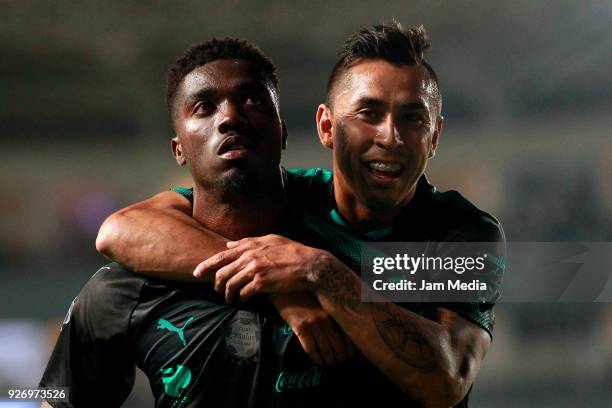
(341, 287)
(402, 336)
(407, 339)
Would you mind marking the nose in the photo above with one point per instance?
(232, 118)
(387, 135)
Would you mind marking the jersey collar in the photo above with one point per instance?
(423, 188)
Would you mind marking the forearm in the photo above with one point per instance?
(413, 352)
(165, 243)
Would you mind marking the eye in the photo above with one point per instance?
(367, 114)
(254, 99)
(413, 118)
(203, 108)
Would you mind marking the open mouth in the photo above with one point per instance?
(386, 171)
(235, 146)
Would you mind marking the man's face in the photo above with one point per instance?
(383, 127)
(227, 125)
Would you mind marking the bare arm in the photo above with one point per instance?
(158, 237)
(433, 361)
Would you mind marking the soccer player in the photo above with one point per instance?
(195, 349)
(383, 121)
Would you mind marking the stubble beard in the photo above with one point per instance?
(382, 201)
(370, 201)
(238, 184)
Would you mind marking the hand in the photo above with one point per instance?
(321, 338)
(271, 263)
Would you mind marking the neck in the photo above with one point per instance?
(360, 217)
(364, 219)
(243, 215)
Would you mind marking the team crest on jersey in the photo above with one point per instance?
(243, 335)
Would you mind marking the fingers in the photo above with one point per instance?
(329, 340)
(217, 261)
(310, 347)
(326, 350)
(337, 341)
(252, 242)
(241, 242)
(351, 349)
(224, 274)
(253, 287)
(236, 283)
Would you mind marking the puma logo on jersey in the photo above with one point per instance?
(166, 325)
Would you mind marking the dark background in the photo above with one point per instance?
(527, 103)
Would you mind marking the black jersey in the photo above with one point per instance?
(195, 349)
(198, 351)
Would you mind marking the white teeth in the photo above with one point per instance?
(388, 167)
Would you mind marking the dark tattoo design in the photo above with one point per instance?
(408, 342)
(341, 288)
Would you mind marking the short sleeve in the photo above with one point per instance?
(92, 356)
(490, 233)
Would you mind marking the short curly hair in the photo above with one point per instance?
(388, 42)
(212, 50)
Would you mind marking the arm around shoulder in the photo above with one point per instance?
(116, 228)
(158, 237)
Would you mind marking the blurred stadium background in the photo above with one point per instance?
(528, 108)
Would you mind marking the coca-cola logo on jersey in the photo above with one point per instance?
(298, 380)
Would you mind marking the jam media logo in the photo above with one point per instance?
(298, 380)
(163, 324)
(243, 335)
(175, 380)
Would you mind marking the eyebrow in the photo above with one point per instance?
(369, 101)
(375, 102)
(248, 85)
(414, 105)
(211, 92)
(204, 93)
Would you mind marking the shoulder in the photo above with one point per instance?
(458, 217)
(309, 189)
(107, 300)
(112, 282)
(310, 175)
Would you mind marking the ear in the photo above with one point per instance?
(325, 126)
(177, 151)
(284, 135)
(436, 136)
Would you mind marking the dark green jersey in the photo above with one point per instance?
(198, 351)
(431, 216)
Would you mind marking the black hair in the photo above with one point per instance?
(388, 42)
(212, 50)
